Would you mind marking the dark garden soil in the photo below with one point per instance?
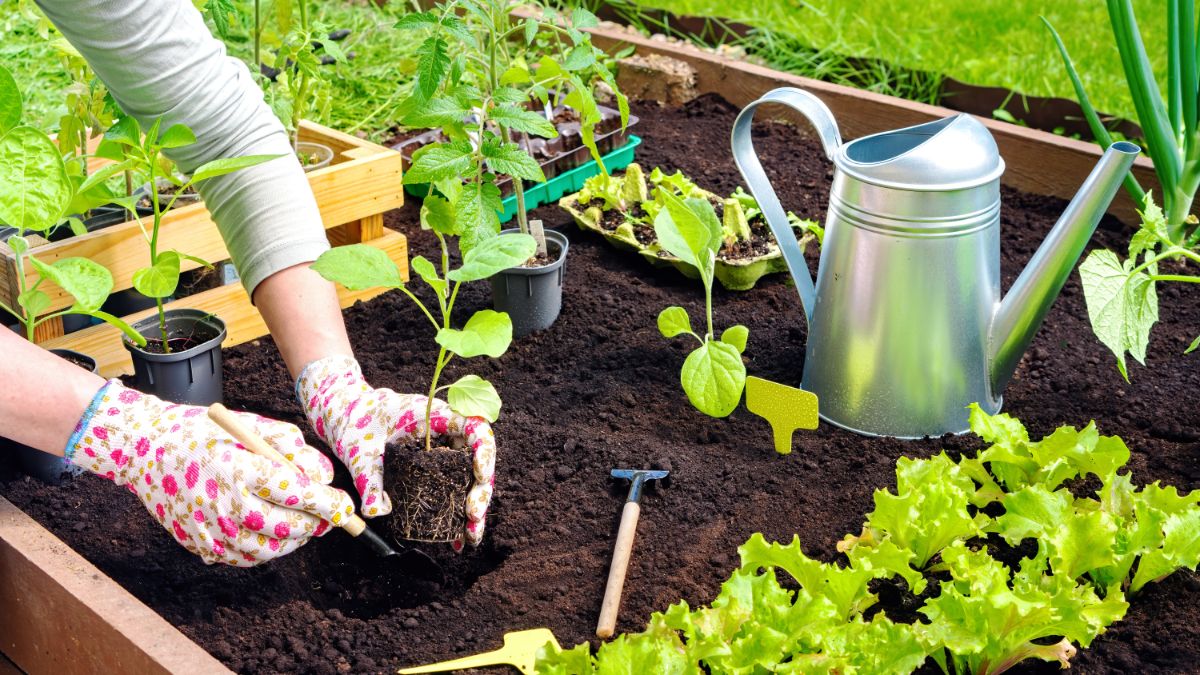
(601, 390)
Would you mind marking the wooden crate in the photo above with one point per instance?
(59, 614)
(352, 194)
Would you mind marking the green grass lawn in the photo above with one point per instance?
(987, 42)
(365, 89)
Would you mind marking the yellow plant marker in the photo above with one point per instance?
(520, 651)
(785, 408)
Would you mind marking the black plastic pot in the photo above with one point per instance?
(532, 296)
(44, 467)
(191, 376)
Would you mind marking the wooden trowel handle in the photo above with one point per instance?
(616, 572)
(255, 444)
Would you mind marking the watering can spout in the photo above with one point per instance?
(1021, 311)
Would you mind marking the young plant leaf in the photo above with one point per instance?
(437, 112)
(433, 60)
(358, 267)
(125, 131)
(713, 377)
(177, 136)
(220, 167)
(674, 321)
(736, 336)
(86, 281)
(519, 119)
(34, 186)
(477, 213)
(1122, 305)
(689, 230)
(511, 160)
(438, 215)
(160, 279)
(428, 273)
(473, 396)
(10, 102)
(494, 255)
(487, 333)
(440, 161)
(33, 301)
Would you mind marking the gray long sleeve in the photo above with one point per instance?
(159, 59)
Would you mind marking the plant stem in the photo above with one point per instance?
(162, 314)
(708, 314)
(22, 317)
(442, 360)
(1175, 277)
(257, 38)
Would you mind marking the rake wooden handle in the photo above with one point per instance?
(616, 571)
(233, 426)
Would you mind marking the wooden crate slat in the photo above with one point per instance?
(229, 302)
(61, 615)
(345, 192)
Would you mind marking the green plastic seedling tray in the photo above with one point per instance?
(567, 182)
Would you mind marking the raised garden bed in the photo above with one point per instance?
(352, 194)
(598, 391)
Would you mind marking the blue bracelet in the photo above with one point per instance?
(84, 421)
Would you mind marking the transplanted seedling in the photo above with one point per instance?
(713, 375)
(35, 194)
(129, 149)
(486, 333)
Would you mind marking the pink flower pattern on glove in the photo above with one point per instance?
(357, 421)
(219, 501)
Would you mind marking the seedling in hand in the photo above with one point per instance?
(486, 333)
(129, 149)
(713, 375)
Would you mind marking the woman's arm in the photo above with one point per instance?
(43, 396)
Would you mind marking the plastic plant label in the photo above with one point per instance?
(539, 235)
(785, 408)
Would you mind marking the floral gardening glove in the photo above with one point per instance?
(357, 421)
(222, 502)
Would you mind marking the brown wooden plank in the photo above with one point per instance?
(230, 302)
(61, 615)
(345, 193)
(1037, 161)
(48, 329)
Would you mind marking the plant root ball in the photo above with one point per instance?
(428, 490)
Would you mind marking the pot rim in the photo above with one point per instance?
(559, 240)
(196, 315)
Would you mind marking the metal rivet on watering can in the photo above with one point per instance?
(785, 408)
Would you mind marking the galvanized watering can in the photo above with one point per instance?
(906, 323)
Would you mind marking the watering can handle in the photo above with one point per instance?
(756, 179)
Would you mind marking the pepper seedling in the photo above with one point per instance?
(713, 375)
(35, 193)
(130, 149)
(486, 333)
